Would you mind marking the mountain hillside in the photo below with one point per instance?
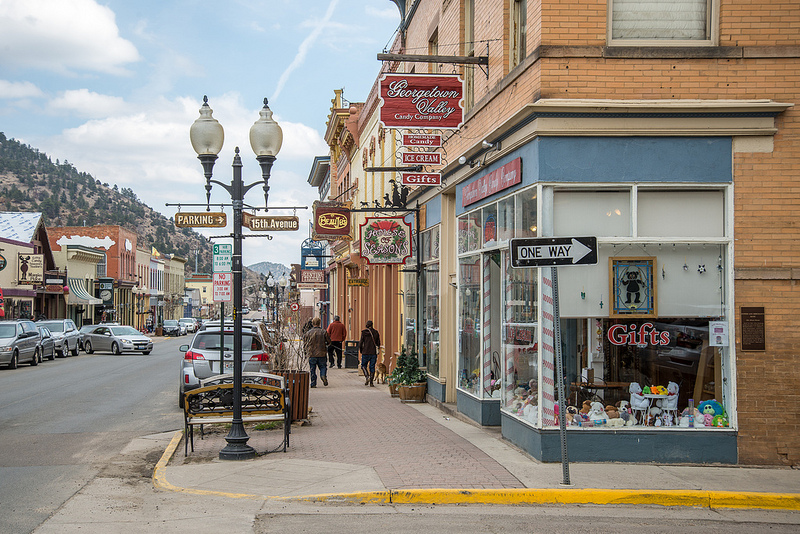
(31, 181)
(266, 267)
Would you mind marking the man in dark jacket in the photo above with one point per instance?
(337, 333)
(315, 342)
(369, 344)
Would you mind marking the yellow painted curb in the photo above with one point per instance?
(160, 480)
(704, 499)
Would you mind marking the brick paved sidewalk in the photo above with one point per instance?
(359, 425)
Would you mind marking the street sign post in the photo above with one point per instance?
(552, 252)
(223, 258)
(223, 287)
(272, 223)
(206, 219)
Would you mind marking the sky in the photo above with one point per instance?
(113, 86)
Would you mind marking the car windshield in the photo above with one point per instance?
(55, 326)
(7, 330)
(210, 341)
(124, 331)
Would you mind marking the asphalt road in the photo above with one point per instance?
(62, 421)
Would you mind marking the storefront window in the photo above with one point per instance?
(520, 346)
(409, 301)
(469, 232)
(527, 225)
(469, 320)
(505, 219)
(431, 317)
(489, 225)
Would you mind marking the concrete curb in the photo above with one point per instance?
(694, 498)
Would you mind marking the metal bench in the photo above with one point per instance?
(265, 397)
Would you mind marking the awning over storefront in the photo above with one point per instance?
(78, 293)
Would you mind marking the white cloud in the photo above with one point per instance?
(62, 36)
(86, 103)
(19, 90)
(385, 13)
(304, 47)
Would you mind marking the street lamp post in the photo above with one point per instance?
(207, 137)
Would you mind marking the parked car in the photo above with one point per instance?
(84, 330)
(65, 334)
(117, 339)
(19, 343)
(47, 345)
(214, 324)
(204, 357)
(245, 310)
(190, 322)
(171, 327)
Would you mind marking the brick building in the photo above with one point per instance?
(669, 134)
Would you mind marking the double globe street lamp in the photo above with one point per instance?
(207, 137)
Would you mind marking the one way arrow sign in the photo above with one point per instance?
(550, 251)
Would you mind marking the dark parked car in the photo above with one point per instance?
(171, 327)
(65, 334)
(47, 345)
(19, 343)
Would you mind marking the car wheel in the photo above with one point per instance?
(180, 398)
(61, 354)
(13, 363)
(115, 349)
(75, 350)
(52, 355)
(35, 360)
(145, 352)
(87, 345)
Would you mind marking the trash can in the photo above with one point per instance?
(351, 354)
(298, 384)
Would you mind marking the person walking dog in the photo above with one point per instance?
(338, 333)
(369, 344)
(315, 342)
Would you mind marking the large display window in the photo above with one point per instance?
(431, 292)
(469, 324)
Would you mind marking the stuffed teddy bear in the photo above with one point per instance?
(586, 407)
(638, 402)
(597, 414)
(612, 412)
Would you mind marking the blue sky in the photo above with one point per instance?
(112, 86)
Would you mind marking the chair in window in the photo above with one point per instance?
(639, 403)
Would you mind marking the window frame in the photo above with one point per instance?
(711, 40)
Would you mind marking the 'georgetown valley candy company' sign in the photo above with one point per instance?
(422, 101)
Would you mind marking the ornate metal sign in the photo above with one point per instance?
(332, 221)
(385, 240)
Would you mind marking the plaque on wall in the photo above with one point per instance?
(753, 332)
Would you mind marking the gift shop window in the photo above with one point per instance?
(469, 324)
(430, 290)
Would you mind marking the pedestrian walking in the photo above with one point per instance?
(338, 333)
(369, 344)
(315, 343)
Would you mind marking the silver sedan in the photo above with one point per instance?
(117, 339)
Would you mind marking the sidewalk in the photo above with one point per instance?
(362, 445)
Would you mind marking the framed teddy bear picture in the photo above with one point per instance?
(633, 287)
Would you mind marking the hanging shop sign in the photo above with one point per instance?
(271, 223)
(499, 179)
(422, 101)
(312, 276)
(421, 178)
(331, 221)
(385, 240)
(312, 285)
(415, 139)
(30, 269)
(55, 283)
(417, 158)
(358, 282)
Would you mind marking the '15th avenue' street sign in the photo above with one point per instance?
(553, 251)
(207, 219)
(271, 224)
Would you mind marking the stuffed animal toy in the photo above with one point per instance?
(597, 414)
(616, 422)
(708, 414)
(720, 421)
(715, 407)
(587, 406)
(638, 402)
(612, 412)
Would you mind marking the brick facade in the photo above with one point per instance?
(757, 57)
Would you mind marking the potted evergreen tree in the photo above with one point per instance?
(413, 381)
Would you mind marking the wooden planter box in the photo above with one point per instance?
(413, 392)
(393, 390)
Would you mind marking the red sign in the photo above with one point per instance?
(621, 334)
(433, 140)
(421, 178)
(312, 276)
(506, 176)
(422, 101)
(385, 240)
(415, 158)
(331, 221)
(222, 287)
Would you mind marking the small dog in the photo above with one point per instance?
(380, 373)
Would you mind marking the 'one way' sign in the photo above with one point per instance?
(551, 251)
